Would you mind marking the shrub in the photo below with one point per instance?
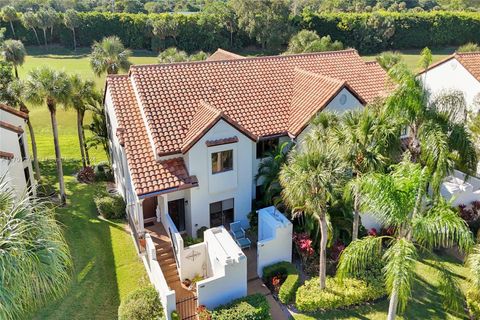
(253, 307)
(473, 303)
(110, 207)
(142, 304)
(103, 172)
(86, 175)
(174, 315)
(286, 294)
(45, 189)
(200, 232)
(338, 294)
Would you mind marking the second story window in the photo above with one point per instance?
(222, 161)
(264, 147)
(23, 152)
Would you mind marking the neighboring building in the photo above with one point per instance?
(15, 162)
(186, 139)
(460, 71)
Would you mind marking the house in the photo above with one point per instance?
(15, 162)
(186, 138)
(459, 71)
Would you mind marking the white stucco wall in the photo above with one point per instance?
(451, 75)
(14, 168)
(236, 184)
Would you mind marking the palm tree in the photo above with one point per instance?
(14, 52)
(98, 128)
(310, 181)
(16, 91)
(172, 55)
(109, 56)
(44, 21)
(437, 136)
(268, 172)
(72, 20)
(30, 21)
(419, 225)
(387, 60)
(9, 14)
(83, 95)
(309, 41)
(366, 140)
(35, 260)
(50, 87)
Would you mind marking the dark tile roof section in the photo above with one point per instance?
(219, 142)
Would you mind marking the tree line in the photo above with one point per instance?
(238, 24)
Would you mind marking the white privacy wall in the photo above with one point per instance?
(451, 75)
(235, 184)
(226, 270)
(274, 238)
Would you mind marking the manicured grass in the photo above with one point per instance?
(426, 302)
(106, 266)
(71, 62)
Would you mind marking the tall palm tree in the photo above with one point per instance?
(71, 19)
(83, 95)
(50, 87)
(98, 128)
(437, 136)
(9, 14)
(109, 56)
(268, 172)
(44, 20)
(35, 262)
(310, 180)
(419, 225)
(30, 21)
(14, 52)
(16, 91)
(366, 141)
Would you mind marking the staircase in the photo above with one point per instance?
(166, 260)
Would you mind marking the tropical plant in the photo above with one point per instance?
(14, 52)
(198, 56)
(35, 262)
(109, 56)
(224, 13)
(425, 58)
(399, 201)
(83, 95)
(30, 21)
(45, 86)
(9, 14)
(437, 136)
(141, 304)
(16, 91)
(171, 55)
(309, 41)
(469, 47)
(388, 59)
(164, 26)
(44, 20)
(311, 178)
(98, 128)
(268, 172)
(72, 21)
(366, 141)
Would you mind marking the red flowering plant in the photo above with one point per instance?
(277, 282)
(372, 232)
(336, 250)
(303, 243)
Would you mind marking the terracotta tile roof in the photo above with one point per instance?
(11, 127)
(221, 54)
(6, 155)
(470, 60)
(219, 142)
(14, 111)
(255, 92)
(148, 174)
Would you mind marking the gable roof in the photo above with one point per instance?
(221, 54)
(254, 92)
(469, 60)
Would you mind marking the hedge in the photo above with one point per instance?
(290, 285)
(367, 32)
(253, 307)
(141, 304)
(110, 206)
(337, 294)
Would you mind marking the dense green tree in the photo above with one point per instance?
(311, 178)
(164, 26)
(9, 14)
(223, 11)
(14, 52)
(420, 224)
(44, 21)
(35, 262)
(72, 21)
(109, 56)
(265, 20)
(309, 41)
(45, 86)
(469, 47)
(30, 21)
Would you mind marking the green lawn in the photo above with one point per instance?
(106, 266)
(424, 304)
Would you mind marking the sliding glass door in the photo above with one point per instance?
(221, 213)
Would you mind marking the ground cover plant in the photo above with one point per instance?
(291, 279)
(252, 307)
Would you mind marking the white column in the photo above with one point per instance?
(140, 216)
